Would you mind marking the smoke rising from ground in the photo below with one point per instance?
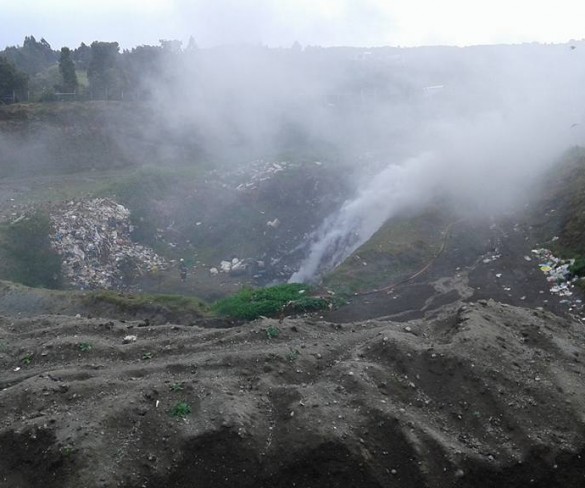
(474, 125)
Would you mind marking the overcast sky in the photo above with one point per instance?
(282, 22)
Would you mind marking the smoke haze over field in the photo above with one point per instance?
(473, 125)
(404, 126)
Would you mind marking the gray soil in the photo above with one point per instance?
(483, 395)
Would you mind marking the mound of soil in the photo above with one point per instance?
(483, 395)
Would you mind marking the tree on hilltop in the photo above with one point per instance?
(67, 70)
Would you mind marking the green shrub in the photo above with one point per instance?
(181, 410)
(27, 248)
(578, 267)
(270, 302)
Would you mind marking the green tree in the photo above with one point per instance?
(103, 72)
(67, 70)
(33, 56)
(12, 81)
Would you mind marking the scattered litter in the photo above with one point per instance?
(258, 172)
(491, 257)
(235, 267)
(129, 339)
(557, 274)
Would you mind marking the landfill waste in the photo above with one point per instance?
(560, 278)
(556, 270)
(93, 239)
(235, 267)
(258, 172)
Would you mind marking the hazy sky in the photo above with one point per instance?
(281, 22)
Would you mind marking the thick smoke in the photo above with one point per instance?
(472, 125)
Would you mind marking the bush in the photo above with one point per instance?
(31, 260)
(270, 302)
(578, 267)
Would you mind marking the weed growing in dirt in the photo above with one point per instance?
(147, 355)
(85, 347)
(270, 302)
(181, 410)
(67, 451)
(177, 387)
(272, 332)
(3, 347)
(293, 355)
(27, 359)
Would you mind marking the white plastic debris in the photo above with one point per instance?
(93, 239)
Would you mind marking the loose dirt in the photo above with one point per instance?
(482, 394)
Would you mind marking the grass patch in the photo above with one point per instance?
(142, 192)
(28, 257)
(181, 410)
(270, 302)
(272, 332)
(176, 305)
(398, 249)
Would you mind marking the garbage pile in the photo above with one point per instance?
(93, 239)
(557, 272)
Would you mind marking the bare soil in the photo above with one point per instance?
(482, 395)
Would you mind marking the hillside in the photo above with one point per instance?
(448, 353)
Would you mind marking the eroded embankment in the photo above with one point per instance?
(481, 395)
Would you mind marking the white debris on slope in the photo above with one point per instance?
(93, 239)
(258, 172)
(556, 271)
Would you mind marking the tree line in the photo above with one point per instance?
(99, 71)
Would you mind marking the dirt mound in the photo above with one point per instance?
(481, 395)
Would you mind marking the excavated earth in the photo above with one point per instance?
(478, 394)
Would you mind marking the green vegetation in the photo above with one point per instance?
(67, 70)
(272, 332)
(141, 191)
(560, 209)
(293, 355)
(85, 347)
(27, 359)
(181, 410)
(176, 387)
(578, 267)
(287, 299)
(400, 248)
(146, 356)
(67, 451)
(133, 304)
(28, 257)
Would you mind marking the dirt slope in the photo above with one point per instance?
(483, 395)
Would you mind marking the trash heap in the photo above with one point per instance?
(93, 239)
(557, 272)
